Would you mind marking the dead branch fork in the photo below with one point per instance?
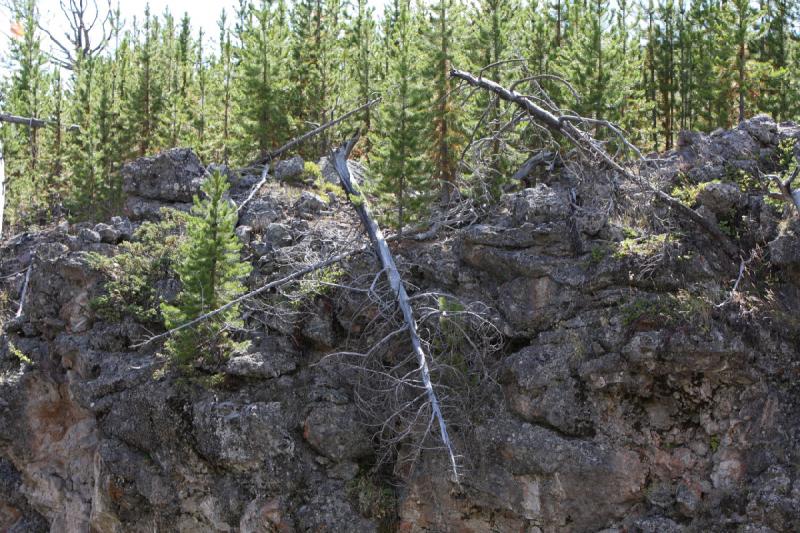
(564, 125)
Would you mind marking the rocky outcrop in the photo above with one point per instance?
(171, 177)
(632, 392)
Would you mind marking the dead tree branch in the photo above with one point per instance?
(790, 196)
(82, 18)
(31, 121)
(266, 160)
(271, 285)
(24, 292)
(396, 283)
(304, 137)
(565, 127)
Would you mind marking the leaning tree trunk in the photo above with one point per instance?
(398, 288)
(2, 188)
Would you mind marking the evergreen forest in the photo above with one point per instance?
(277, 68)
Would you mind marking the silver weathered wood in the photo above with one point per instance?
(396, 283)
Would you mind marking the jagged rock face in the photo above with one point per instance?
(622, 402)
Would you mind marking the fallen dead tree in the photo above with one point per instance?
(381, 249)
(565, 125)
(267, 160)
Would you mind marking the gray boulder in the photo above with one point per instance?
(334, 431)
(174, 175)
(289, 169)
(242, 436)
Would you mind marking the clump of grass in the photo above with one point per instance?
(641, 246)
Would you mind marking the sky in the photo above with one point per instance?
(203, 14)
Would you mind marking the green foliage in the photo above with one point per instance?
(641, 246)
(312, 172)
(682, 308)
(16, 352)
(596, 255)
(356, 199)
(687, 194)
(210, 272)
(320, 284)
(137, 269)
(398, 179)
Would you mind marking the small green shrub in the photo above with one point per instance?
(135, 272)
(687, 194)
(596, 255)
(372, 500)
(16, 352)
(312, 172)
(678, 309)
(641, 247)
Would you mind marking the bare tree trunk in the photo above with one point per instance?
(2, 188)
(395, 281)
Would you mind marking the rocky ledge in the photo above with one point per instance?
(633, 390)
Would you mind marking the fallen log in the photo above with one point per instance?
(381, 248)
(564, 126)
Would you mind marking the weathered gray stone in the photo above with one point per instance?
(278, 234)
(108, 234)
(335, 432)
(242, 436)
(89, 235)
(174, 175)
(260, 213)
(245, 234)
(289, 169)
(723, 199)
(310, 203)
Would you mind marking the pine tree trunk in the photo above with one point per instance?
(2, 188)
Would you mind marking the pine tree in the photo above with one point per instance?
(146, 102)
(84, 152)
(493, 23)
(210, 271)
(362, 38)
(445, 127)
(27, 95)
(586, 61)
(224, 92)
(665, 37)
(262, 102)
(400, 181)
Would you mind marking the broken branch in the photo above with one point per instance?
(266, 160)
(586, 141)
